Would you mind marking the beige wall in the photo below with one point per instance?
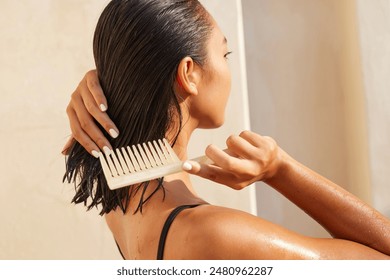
(44, 51)
(45, 48)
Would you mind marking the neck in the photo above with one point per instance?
(180, 148)
(188, 126)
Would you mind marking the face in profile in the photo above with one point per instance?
(215, 85)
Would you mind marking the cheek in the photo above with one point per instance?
(228, 81)
(218, 96)
(224, 85)
(209, 106)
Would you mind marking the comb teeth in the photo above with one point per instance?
(139, 163)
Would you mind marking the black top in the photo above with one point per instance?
(164, 232)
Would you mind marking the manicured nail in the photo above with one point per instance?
(103, 107)
(187, 166)
(113, 133)
(106, 150)
(95, 154)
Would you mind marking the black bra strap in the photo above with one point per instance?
(119, 249)
(167, 225)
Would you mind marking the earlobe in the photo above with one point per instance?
(188, 76)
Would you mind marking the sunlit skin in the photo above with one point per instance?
(213, 232)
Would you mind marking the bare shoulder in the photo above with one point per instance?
(212, 232)
(224, 233)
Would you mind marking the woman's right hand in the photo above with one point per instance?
(87, 104)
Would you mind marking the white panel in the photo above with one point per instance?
(301, 78)
(374, 25)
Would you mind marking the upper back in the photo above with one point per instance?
(206, 232)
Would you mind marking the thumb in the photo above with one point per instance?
(196, 165)
(199, 169)
(209, 171)
(191, 167)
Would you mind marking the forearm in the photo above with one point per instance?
(338, 211)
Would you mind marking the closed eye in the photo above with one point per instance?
(227, 54)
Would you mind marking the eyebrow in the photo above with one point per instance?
(224, 40)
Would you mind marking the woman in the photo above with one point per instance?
(162, 66)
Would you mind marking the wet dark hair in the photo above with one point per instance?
(138, 45)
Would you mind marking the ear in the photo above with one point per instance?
(188, 76)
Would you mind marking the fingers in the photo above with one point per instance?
(241, 146)
(96, 90)
(253, 138)
(88, 104)
(95, 103)
(80, 136)
(67, 145)
(264, 143)
(85, 105)
(225, 159)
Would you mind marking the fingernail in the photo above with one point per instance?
(103, 107)
(113, 133)
(106, 150)
(187, 166)
(95, 154)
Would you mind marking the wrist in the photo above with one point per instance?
(283, 163)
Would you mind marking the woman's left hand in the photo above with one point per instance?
(248, 158)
